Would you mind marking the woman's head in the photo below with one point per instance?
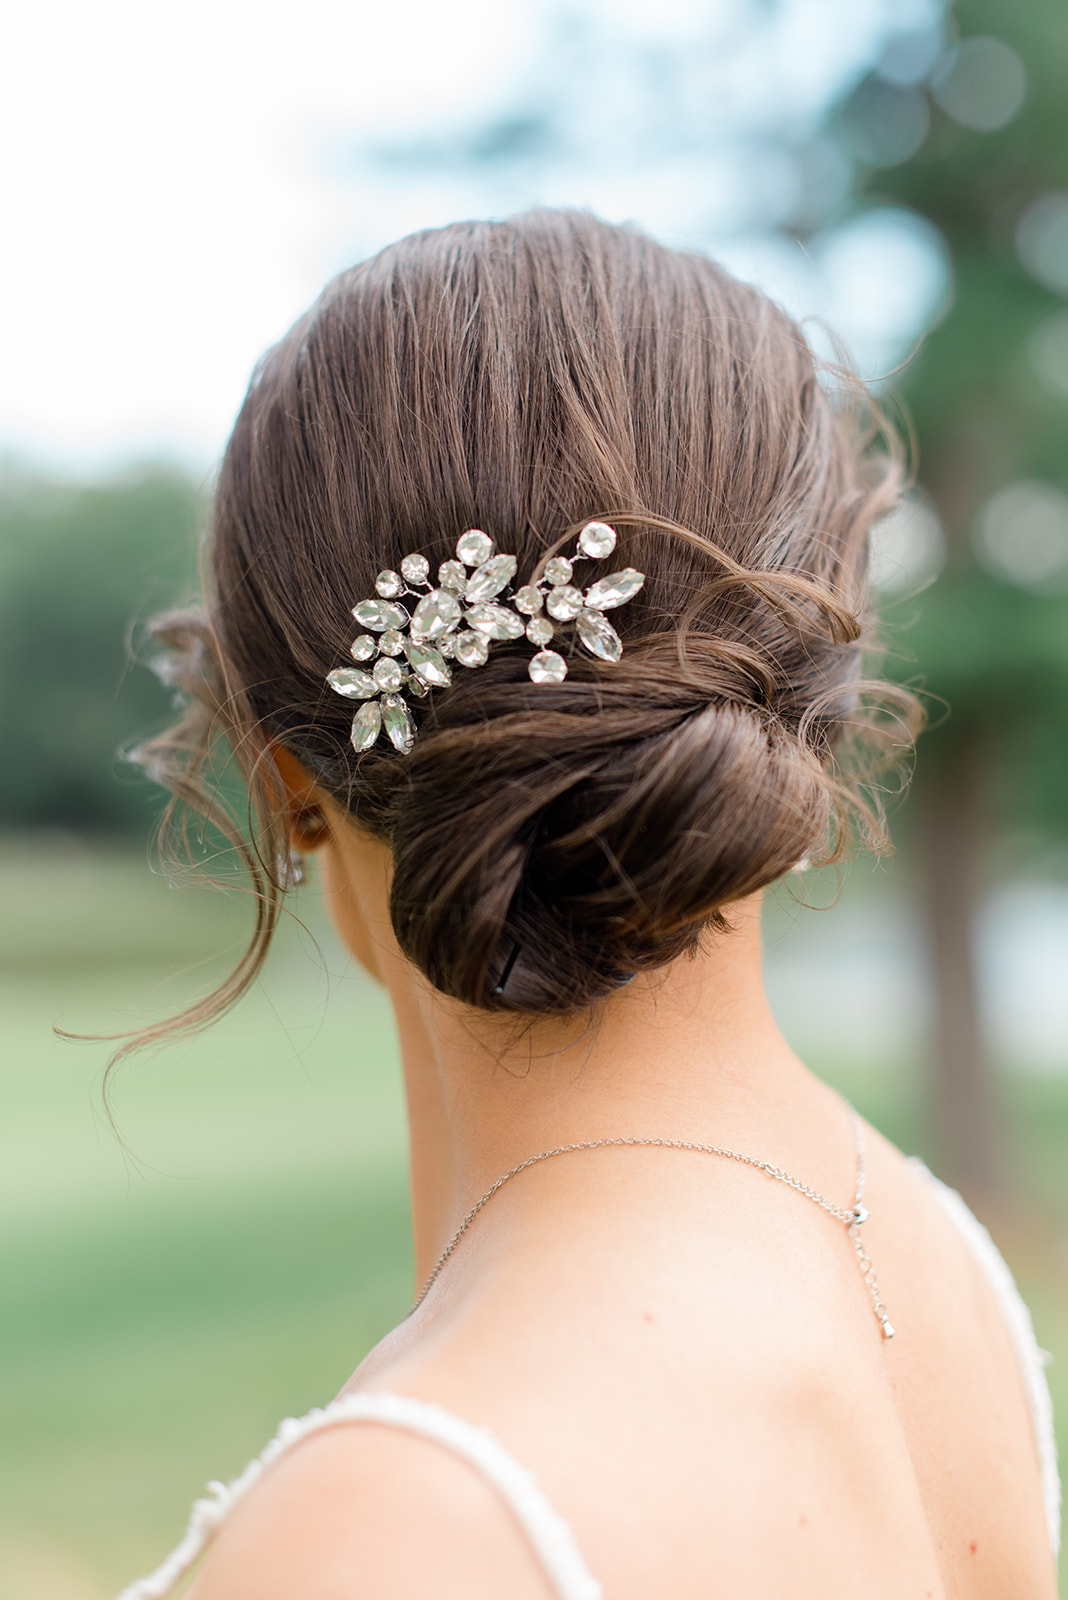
(525, 377)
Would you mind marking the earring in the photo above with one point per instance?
(290, 870)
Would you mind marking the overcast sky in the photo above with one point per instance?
(179, 182)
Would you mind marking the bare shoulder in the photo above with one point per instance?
(958, 1382)
(925, 1239)
(368, 1505)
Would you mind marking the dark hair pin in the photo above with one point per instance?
(472, 608)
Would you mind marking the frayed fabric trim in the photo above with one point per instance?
(549, 1535)
(1031, 1357)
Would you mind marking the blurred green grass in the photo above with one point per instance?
(169, 1296)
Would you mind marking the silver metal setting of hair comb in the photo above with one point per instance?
(472, 607)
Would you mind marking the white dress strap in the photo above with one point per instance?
(549, 1535)
(1032, 1359)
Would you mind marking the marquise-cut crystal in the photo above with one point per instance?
(615, 590)
(472, 649)
(474, 547)
(415, 569)
(490, 579)
(528, 599)
(547, 667)
(388, 674)
(435, 612)
(391, 643)
(398, 724)
(558, 570)
(366, 725)
(428, 664)
(496, 622)
(539, 630)
(362, 647)
(352, 683)
(564, 603)
(378, 615)
(452, 575)
(598, 635)
(597, 539)
(389, 584)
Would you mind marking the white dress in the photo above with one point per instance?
(549, 1536)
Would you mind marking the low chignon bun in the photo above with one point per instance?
(550, 841)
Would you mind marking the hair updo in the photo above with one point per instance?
(548, 840)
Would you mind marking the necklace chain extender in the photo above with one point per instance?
(851, 1219)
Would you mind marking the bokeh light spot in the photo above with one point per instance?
(982, 85)
(910, 55)
(886, 123)
(1021, 535)
(907, 548)
(1049, 353)
(1042, 240)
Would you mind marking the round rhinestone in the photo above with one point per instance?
(389, 584)
(387, 674)
(415, 569)
(539, 630)
(472, 649)
(391, 643)
(362, 647)
(547, 667)
(446, 645)
(528, 599)
(558, 570)
(564, 603)
(474, 547)
(452, 576)
(413, 685)
(597, 539)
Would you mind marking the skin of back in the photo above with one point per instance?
(703, 1436)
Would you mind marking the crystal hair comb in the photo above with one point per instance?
(471, 608)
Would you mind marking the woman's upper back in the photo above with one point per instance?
(695, 1445)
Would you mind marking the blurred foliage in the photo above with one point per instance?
(78, 565)
(987, 392)
(993, 646)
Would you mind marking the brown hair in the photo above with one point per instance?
(524, 377)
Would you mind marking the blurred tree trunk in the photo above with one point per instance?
(950, 825)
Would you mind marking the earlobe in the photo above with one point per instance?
(308, 824)
(308, 829)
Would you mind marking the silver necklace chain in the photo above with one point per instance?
(852, 1219)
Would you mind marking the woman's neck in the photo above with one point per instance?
(689, 1053)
